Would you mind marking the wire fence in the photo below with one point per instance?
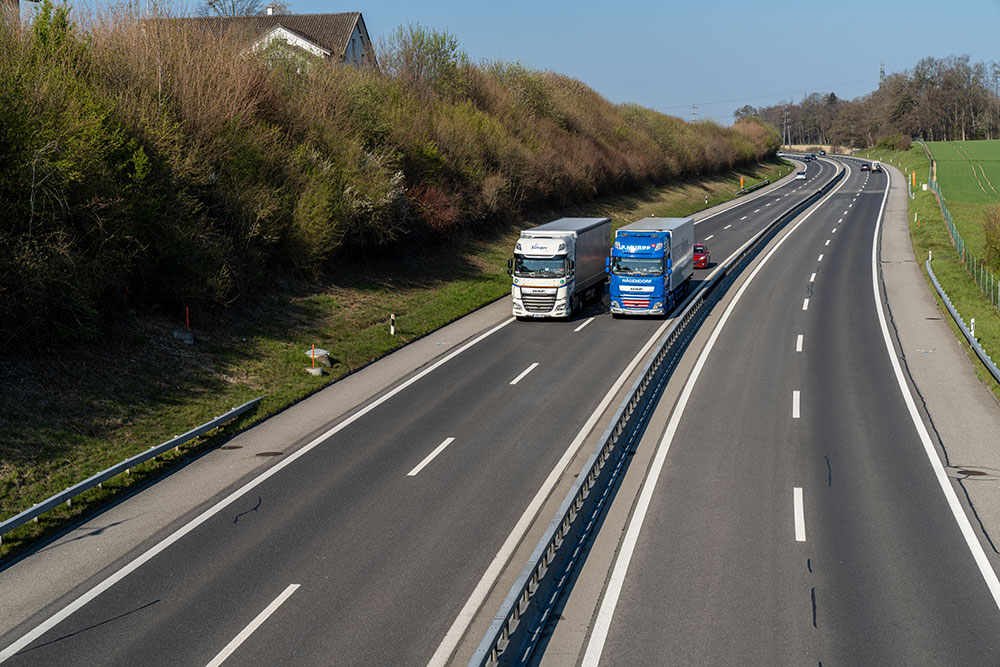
(987, 281)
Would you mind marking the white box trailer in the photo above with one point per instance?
(558, 266)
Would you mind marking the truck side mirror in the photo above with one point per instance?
(670, 265)
(510, 266)
(572, 266)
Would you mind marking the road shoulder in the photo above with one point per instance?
(961, 413)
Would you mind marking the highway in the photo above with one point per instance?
(791, 514)
(366, 541)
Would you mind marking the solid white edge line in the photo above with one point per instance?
(964, 525)
(583, 325)
(524, 372)
(795, 404)
(430, 457)
(468, 612)
(800, 518)
(602, 624)
(148, 555)
(254, 624)
(798, 343)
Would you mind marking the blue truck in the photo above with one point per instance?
(651, 264)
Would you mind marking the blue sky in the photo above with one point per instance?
(717, 55)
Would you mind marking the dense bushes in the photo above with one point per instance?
(147, 164)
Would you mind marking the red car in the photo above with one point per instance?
(701, 256)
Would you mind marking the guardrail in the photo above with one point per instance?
(980, 352)
(516, 627)
(67, 496)
(757, 186)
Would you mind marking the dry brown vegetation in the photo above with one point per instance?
(148, 163)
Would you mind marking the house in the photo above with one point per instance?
(342, 37)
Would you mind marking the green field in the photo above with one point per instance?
(968, 171)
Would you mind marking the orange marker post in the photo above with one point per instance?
(741, 182)
(187, 318)
(314, 355)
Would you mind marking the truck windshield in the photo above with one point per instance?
(635, 266)
(534, 267)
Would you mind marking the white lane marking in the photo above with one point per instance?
(430, 457)
(524, 372)
(833, 231)
(845, 212)
(602, 624)
(254, 624)
(838, 222)
(163, 544)
(757, 211)
(727, 226)
(795, 404)
(767, 204)
(812, 278)
(849, 206)
(710, 237)
(743, 218)
(495, 568)
(584, 324)
(798, 343)
(805, 304)
(978, 554)
(827, 242)
(800, 517)
(820, 258)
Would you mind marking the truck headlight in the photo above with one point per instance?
(658, 304)
(615, 304)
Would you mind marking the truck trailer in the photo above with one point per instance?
(651, 265)
(559, 265)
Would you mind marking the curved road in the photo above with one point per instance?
(796, 518)
(366, 541)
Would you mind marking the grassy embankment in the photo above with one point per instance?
(967, 202)
(140, 385)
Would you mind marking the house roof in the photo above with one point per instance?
(330, 31)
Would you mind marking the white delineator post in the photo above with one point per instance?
(392, 325)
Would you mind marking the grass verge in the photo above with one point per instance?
(929, 233)
(139, 386)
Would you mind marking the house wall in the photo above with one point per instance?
(358, 51)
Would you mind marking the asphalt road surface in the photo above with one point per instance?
(364, 544)
(796, 519)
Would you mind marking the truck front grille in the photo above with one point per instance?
(538, 303)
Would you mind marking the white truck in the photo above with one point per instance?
(559, 265)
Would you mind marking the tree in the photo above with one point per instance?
(745, 111)
(242, 7)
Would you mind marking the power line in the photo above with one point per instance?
(758, 97)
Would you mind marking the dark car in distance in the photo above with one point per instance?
(865, 166)
(701, 256)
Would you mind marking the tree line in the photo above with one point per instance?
(940, 99)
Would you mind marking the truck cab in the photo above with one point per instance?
(650, 265)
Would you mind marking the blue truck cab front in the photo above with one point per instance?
(651, 265)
